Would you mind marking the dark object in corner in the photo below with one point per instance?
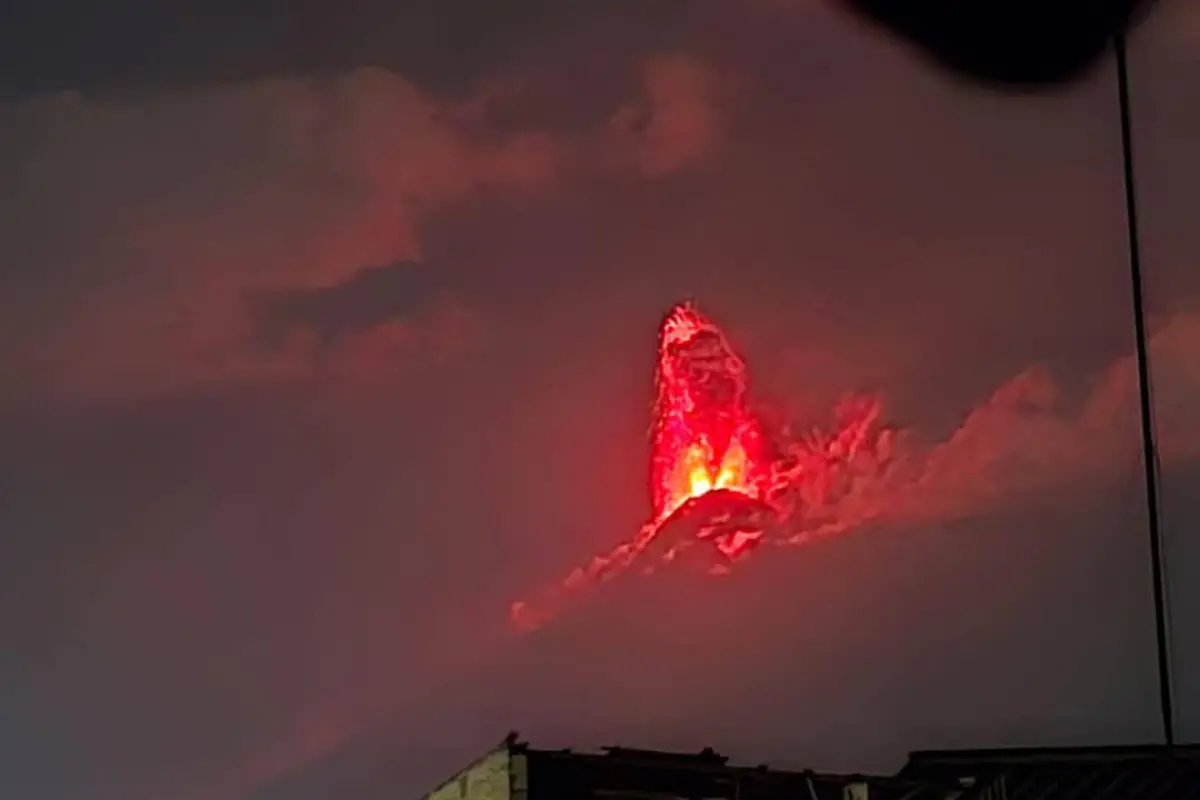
(1028, 44)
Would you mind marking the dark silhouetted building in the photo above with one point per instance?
(515, 771)
(1083, 773)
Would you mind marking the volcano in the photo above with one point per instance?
(727, 522)
(722, 482)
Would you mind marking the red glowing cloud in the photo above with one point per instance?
(720, 477)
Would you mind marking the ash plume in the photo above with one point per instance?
(725, 483)
(722, 481)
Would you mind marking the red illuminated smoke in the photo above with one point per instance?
(704, 435)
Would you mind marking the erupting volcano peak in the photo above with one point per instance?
(718, 478)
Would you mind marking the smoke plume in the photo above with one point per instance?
(726, 482)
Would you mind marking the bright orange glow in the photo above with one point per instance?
(732, 474)
(695, 474)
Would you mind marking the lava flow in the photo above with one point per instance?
(718, 477)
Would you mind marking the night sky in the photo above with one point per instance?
(328, 330)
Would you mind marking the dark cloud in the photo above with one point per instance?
(447, 46)
(180, 206)
(368, 298)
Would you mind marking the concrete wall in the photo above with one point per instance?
(489, 778)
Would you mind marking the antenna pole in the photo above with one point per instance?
(1149, 448)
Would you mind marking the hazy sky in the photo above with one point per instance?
(329, 330)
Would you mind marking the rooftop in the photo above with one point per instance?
(624, 772)
(1070, 773)
(1085, 773)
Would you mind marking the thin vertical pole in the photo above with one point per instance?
(1149, 449)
